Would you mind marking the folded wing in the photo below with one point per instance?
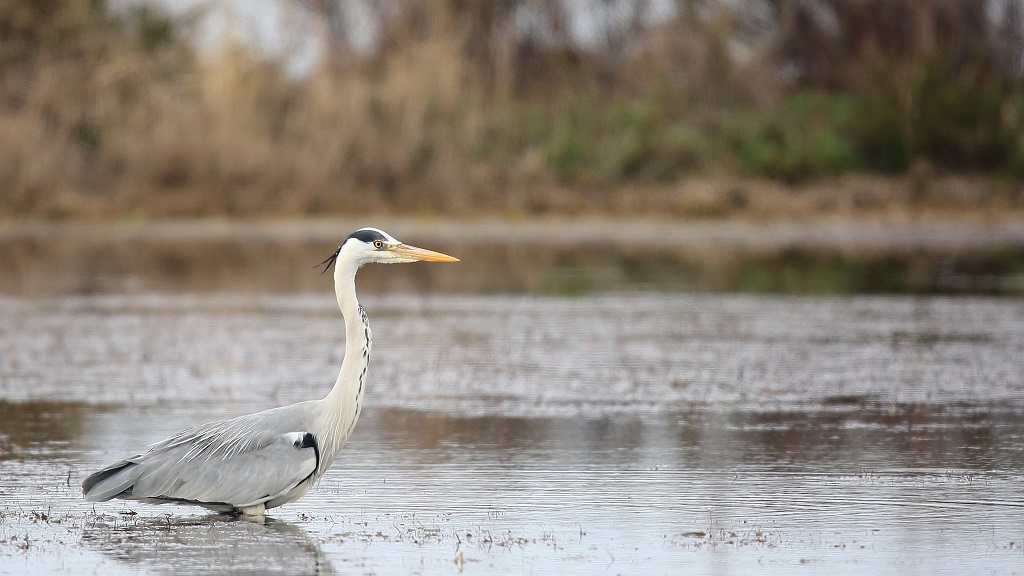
(219, 466)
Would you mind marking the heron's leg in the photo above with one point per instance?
(258, 510)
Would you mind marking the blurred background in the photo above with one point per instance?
(515, 108)
(773, 145)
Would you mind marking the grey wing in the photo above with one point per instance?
(213, 464)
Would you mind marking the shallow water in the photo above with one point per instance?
(519, 355)
(620, 434)
(721, 491)
(567, 256)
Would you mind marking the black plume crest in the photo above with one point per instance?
(329, 261)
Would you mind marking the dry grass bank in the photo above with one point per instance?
(112, 115)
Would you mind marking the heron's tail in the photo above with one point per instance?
(111, 481)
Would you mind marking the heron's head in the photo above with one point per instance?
(372, 245)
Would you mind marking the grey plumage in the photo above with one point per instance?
(225, 466)
(248, 464)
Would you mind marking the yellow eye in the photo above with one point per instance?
(378, 244)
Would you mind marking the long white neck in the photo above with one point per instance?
(341, 407)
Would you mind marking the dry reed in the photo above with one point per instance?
(458, 111)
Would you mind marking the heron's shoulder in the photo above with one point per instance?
(291, 415)
(267, 424)
(294, 417)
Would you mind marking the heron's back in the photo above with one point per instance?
(268, 457)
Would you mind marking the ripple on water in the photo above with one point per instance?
(520, 355)
(631, 434)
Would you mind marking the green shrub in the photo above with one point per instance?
(958, 121)
(806, 135)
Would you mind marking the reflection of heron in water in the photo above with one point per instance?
(212, 545)
(248, 464)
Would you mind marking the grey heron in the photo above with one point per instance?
(245, 465)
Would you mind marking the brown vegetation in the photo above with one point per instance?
(469, 107)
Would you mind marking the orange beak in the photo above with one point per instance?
(422, 254)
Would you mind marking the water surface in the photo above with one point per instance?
(566, 256)
(615, 433)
